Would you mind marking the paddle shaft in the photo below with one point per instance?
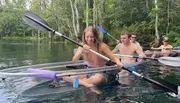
(112, 36)
(133, 72)
(174, 59)
(131, 56)
(104, 31)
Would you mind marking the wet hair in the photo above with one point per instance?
(126, 33)
(97, 39)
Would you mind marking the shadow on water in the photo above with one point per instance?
(21, 53)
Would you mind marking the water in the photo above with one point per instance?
(27, 53)
(24, 52)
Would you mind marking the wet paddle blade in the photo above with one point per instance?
(170, 61)
(35, 21)
(164, 85)
(174, 88)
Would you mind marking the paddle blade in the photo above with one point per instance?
(171, 87)
(170, 61)
(45, 73)
(35, 21)
(101, 29)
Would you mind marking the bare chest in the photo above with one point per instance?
(127, 50)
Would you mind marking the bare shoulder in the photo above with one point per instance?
(170, 45)
(134, 45)
(103, 45)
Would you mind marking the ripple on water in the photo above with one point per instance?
(7, 96)
(12, 87)
(140, 91)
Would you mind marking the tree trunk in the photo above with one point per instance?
(147, 4)
(87, 13)
(54, 16)
(100, 15)
(156, 26)
(73, 18)
(94, 13)
(77, 18)
(167, 28)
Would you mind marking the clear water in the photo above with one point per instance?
(27, 53)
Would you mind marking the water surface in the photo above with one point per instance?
(26, 53)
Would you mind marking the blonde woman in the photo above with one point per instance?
(91, 40)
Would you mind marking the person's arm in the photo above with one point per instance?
(140, 52)
(169, 48)
(110, 54)
(155, 52)
(139, 45)
(159, 48)
(78, 54)
(116, 49)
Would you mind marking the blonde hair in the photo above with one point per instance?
(97, 39)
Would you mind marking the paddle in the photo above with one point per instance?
(171, 61)
(104, 31)
(174, 49)
(37, 22)
(160, 52)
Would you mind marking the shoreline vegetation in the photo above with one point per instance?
(56, 39)
(149, 19)
(53, 40)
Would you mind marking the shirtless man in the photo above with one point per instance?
(128, 48)
(165, 49)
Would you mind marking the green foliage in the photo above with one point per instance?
(114, 15)
(19, 38)
(174, 37)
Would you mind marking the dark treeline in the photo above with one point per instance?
(150, 19)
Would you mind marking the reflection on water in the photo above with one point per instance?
(21, 53)
(26, 52)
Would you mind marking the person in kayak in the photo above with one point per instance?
(165, 49)
(91, 40)
(126, 47)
